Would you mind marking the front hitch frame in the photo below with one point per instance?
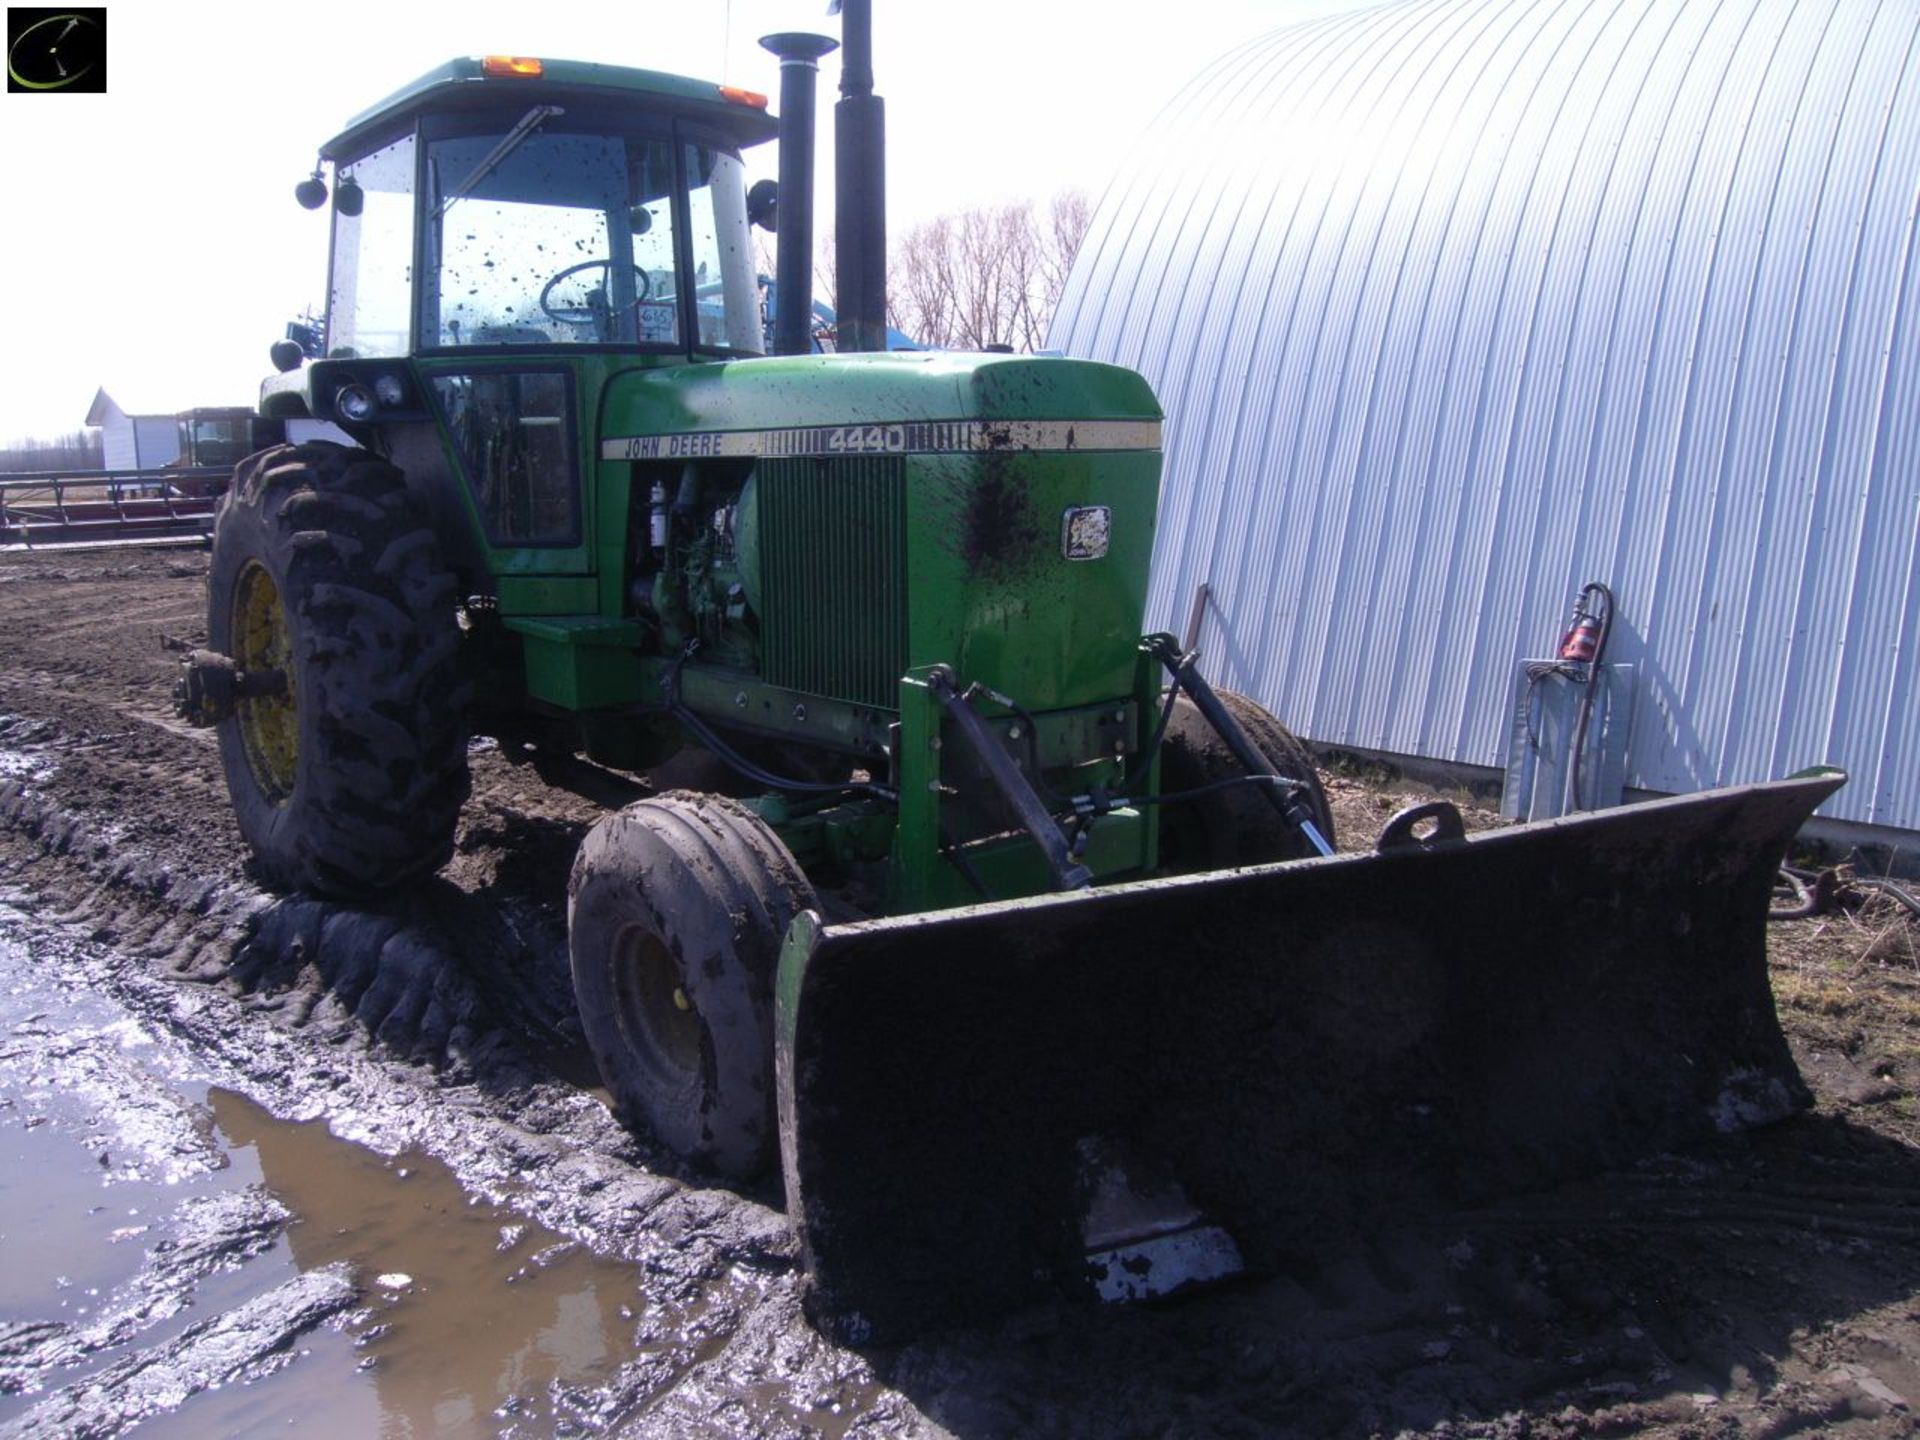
(1014, 787)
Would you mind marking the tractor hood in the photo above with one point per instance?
(877, 404)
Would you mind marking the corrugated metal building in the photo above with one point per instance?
(1455, 306)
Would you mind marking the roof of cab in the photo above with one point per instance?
(465, 84)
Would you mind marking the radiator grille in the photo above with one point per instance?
(833, 573)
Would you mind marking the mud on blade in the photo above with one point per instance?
(1303, 1050)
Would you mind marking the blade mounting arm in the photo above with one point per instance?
(1287, 798)
(1014, 788)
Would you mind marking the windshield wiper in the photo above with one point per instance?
(529, 122)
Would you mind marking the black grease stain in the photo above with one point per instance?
(1001, 533)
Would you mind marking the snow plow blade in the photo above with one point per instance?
(1303, 1051)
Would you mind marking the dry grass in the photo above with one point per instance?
(1856, 967)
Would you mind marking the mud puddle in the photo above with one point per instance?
(179, 1259)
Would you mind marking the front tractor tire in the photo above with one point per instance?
(349, 780)
(1236, 825)
(676, 910)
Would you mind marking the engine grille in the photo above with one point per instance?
(833, 573)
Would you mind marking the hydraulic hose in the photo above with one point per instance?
(706, 735)
(1594, 672)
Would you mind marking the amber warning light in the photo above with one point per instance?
(522, 65)
(735, 95)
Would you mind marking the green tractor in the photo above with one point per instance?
(956, 925)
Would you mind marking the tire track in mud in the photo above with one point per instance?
(112, 827)
(320, 1011)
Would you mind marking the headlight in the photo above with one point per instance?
(391, 392)
(354, 401)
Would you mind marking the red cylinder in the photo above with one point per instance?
(1582, 642)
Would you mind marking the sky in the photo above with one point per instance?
(154, 247)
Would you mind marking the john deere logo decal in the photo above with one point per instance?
(1084, 531)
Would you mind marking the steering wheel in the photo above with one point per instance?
(578, 314)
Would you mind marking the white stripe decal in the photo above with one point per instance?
(913, 437)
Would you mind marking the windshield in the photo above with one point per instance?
(565, 237)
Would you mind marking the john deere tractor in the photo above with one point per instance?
(914, 932)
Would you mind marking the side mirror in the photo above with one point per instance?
(286, 355)
(639, 220)
(306, 339)
(312, 191)
(763, 204)
(348, 197)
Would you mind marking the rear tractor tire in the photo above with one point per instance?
(325, 568)
(1238, 825)
(677, 907)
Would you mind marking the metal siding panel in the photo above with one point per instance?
(1465, 305)
(1498, 548)
(156, 440)
(1325, 94)
(1869, 422)
(1722, 393)
(116, 445)
(1664, 555)
(1347, 143)
(1818, 566)
(1355, 494)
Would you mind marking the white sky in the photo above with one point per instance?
(153, 245)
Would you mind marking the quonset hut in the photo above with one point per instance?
(1454, 307)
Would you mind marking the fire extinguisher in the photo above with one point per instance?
(1587, 630)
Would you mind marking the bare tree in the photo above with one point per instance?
(76, 450)
(987, 276)
(1069, 216)
(826, 271)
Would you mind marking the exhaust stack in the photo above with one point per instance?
(800, 55)
(860, 188)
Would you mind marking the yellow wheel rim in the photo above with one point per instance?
(269, 724)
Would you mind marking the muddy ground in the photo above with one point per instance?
(178, 1043)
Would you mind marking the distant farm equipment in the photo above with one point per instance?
(156, 504)
(109, 507)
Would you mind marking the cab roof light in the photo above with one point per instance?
(734, 95)
(523, 66)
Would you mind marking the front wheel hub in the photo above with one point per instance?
(263, 698)
(210, 685)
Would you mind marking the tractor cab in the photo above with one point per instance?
(507, 235)
(499, 203)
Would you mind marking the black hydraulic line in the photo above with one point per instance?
(1286, 797)
(1898, 893)
(1139, 771)
(1013, 786)
(1801, 900)
(708, 737)
(951, 851)
(1592, 680)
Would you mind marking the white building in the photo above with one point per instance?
(133, 442)
(1455, 306)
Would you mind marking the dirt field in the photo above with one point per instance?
(1766, 1287)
